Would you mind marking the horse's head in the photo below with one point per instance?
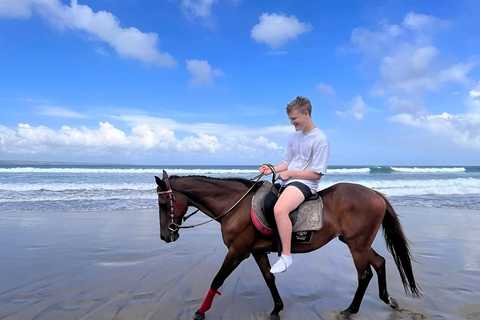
(172, 207)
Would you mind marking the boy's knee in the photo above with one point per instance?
(278, 211)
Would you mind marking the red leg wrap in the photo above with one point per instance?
(207, 303)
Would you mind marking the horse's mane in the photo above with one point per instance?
(246, 182)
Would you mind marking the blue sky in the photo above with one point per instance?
(207, 81)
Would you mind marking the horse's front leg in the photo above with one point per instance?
(262, 260)
(232, 260)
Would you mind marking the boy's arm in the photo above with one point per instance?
(304, 175)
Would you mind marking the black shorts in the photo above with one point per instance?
(305, 190)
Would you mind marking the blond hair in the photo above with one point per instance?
(300, 103)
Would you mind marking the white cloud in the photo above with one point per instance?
(16, 8)
(60, 112)
(202, 143)
(407, 57)
(205, 128)
(462, 129)
(325, 89)
(474, 94)
(375, 43)
(357, 109)
(198, 8)
(415, 28)
(410, 66)
(275, 30)
(412, 71)
(201, 72)
(148, 135)
(404, 106)
(129, 43)
(424, 24)
(472, 102)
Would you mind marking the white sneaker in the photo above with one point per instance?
(282, 264)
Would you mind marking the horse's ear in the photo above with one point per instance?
(165, 175)
(160, 183)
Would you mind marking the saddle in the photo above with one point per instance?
(307, 217)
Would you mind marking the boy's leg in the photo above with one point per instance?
(289, 200)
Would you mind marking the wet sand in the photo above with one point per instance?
(112, 265)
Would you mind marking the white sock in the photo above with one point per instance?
(282, 264)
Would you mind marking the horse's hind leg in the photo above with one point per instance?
(363, 260)
(365, 274)
(264, 265)
(378, 263)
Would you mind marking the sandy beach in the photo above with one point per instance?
(112, 265)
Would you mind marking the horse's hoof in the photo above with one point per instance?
(199, 316)
(392, 303)
(344, 315)
(273, 317)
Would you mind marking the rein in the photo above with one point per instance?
(176, 227)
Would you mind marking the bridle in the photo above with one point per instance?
(174, 227)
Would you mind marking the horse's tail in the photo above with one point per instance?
(397, 245)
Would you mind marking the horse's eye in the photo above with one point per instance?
(163, 206)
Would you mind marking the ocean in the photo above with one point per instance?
(122, 187)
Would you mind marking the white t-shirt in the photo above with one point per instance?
(309, 150)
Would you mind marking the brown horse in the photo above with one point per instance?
(352, 212)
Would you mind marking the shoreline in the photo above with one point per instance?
(396, 206)
(112, 265)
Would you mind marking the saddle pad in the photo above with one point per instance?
(256, 212)
(308, 216)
